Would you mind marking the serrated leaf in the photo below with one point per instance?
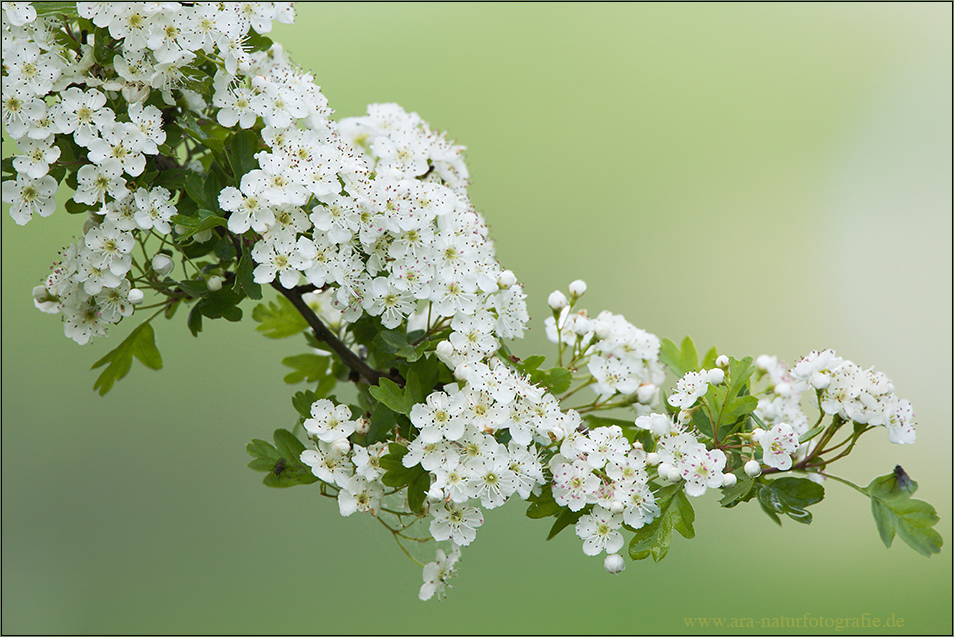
(141, 344)
(895, 512)
(310, 367)
(262, 449)
(302, 402)
(679, 359)
(288, 445)
(279, 319)
(530, 364)
(557, 380)
(675, 513)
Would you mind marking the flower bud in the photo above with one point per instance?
(577, 288)
(652, 458)
(506, 280)
(757, 434)
(135, 296)
(675, 475)
(601, 330)
(362, 426)
(202, 236)
(715, 376)
(214, 283)
(557, 300)
(646, 393)
(722, 361)
(614, 564)
(663, 469)
(162, 264)
(616, 507)
(341, 445)
(435, 494)
(729, 479)
(753, 468)
(783, 389)
(684, 417)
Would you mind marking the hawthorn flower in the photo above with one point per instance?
(329, 422)
(778, 446)
(438, 572)
(456, 523)
(598, 530)
(27, 196)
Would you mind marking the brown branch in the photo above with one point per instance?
(322, 333)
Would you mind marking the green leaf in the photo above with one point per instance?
(895, 512)
(417, 490)
(141, 343)
(741, 491)
(790, 496)
(65, 9)
(310, 367)
(709, 360)
(205, 219)
(392, 395)
(543, 505)
(530, 364)
(282, 460)
(565, 519)
(557, 380)
(396, 343)
(811, 433)
(302, 402)
(240, 150)
(679, 360)
(279, 319)
(675, 513)
(288, 446)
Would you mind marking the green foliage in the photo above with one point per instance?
(396, 343)
(240, 151)
(675, 513)
(741, 491)
(730, 402)
(789, 496)
(543, 505)
(141, 343)
(895, 512)
(555, 380)
(679, 359)
(310, 367)
(282, 460)
(564, 519)
(279, 319)
(415, 478)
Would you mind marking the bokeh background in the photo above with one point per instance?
(766, 178)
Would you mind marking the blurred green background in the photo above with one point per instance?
(766, 178)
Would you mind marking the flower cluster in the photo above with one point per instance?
(854, 394)
(183, 132)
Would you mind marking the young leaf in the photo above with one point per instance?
(679, 360)
(895, 512)
(675, 512)
(557, 380)
(279, 319)
(140, 343)
(310, 367)
(302, 402)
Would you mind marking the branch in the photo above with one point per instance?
(322, 333)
